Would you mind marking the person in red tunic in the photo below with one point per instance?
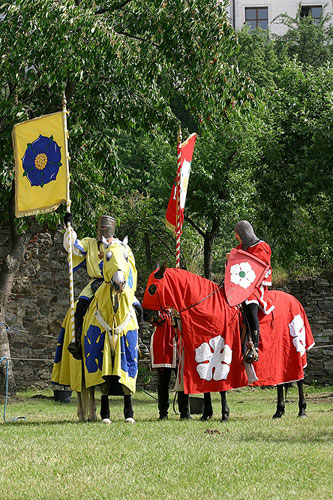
(249, 242)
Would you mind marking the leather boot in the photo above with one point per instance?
(252, 351)
(75, 346)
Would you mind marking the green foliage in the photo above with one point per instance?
(120, 64)
(308, 41)
(132, 72)
(295, 169)
(293, 174)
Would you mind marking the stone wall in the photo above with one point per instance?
(40, 299)
(316, 296)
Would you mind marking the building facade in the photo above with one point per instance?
(263, 13)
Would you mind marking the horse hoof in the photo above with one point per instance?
(302, 415)
(277, 415)
(206, 417)
(129, 420)
(106, 421)
(225, 418)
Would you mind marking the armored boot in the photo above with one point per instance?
(183, 406)
(75, 346)
(252, 348)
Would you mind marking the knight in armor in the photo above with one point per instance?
(87, 252)
(249, 242)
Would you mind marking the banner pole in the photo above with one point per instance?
(178, 228)
(68, 209)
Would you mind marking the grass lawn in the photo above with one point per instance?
(50, 455)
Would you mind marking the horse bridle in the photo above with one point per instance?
(175, 315)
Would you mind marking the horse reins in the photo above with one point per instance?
(202, 300)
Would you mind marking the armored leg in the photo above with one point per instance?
(252, 348)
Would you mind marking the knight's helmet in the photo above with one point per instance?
(106, 227)
(246, 233)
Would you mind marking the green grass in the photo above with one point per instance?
(51, 455)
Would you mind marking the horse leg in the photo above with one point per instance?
(84, 403)
(183, 405)
(301, 399)
(225, 407)
(280, 402)
(208, 409)
(163, 384)
(128, 407)
(92, 416)
(80, 412)
(105, 408)
(81, 401)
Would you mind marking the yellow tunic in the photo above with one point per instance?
(109, 340)
(85, 253)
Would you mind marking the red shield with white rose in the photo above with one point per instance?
(243, 272)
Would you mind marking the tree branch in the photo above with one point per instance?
(135, 37)
(195, 226)
(114, 7)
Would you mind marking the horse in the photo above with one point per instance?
(210, 357)
(109, 340)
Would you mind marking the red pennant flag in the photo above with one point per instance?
(186, 151)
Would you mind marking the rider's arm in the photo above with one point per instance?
(79, 247)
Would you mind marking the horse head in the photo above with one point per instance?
(153, 300)
(116, 266)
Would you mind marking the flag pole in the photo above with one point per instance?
(68, 209)
(178, 228)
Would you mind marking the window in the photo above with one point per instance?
(315, 11)
(256, 17)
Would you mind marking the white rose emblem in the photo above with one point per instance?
(297, 331)
(214, 359)
(242, 274)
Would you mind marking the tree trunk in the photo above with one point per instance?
(209, 239)
(208, 254)
(9, 268)
(149, 264)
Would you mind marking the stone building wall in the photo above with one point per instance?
(40, 299)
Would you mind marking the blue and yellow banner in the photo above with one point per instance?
(41, 166)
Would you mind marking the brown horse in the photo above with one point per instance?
(209, 346)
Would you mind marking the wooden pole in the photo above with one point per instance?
(178, 228)
(68, 208)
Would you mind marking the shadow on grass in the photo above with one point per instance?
(35, 423)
